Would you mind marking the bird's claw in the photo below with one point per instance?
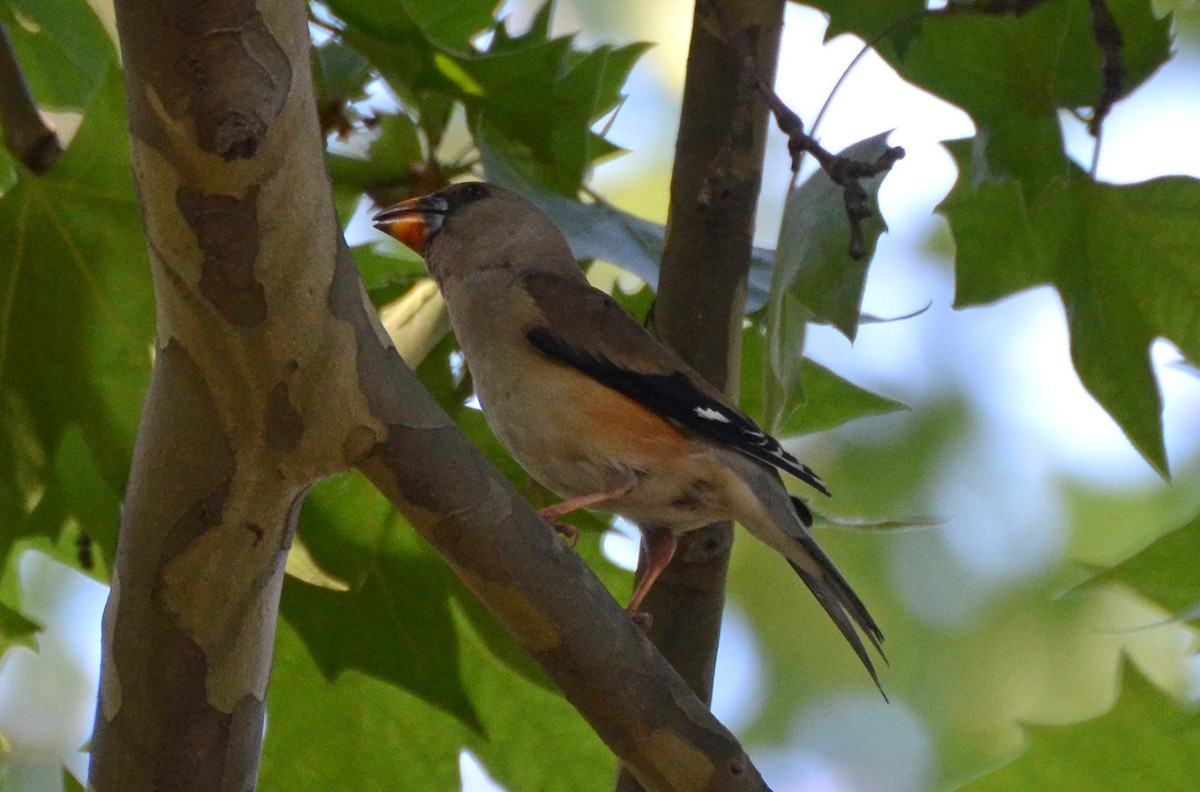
(568, 532)
(641, 619)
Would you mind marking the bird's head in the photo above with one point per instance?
(473, 226)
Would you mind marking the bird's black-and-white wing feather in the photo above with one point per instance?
(612, 348)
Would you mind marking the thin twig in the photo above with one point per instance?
(26, 134)
(1112, 67)
(844, 172)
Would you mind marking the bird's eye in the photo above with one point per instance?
(474, 191)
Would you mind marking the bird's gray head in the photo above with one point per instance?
(474, 226)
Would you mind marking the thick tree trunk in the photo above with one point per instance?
(702, 293)
(272, 371)
(246, 405)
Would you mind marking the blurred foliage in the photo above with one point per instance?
(1145, 742)
(386, 676)
(1165, 571)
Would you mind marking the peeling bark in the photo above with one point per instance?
(273, 371)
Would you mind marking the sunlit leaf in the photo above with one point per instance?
(1166, 571)
(1145, 742)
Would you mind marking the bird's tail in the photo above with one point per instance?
(763, 505)
(833, 592)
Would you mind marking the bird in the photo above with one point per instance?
(595, 408)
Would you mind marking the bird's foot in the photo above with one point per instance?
(568, 532)
(641, 619)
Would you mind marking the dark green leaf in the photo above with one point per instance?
(1144, 742)
(397, 149)
(15, 629)
(77, 490)
(1123, 259)
(63, 50)
(76, 337)
(1167, 571)
(340, 73)
(825, 400)
(896, 21)
(450, 25)
(1013, 74)
(385, 626)
(813, 264)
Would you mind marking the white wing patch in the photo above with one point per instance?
(709, 414)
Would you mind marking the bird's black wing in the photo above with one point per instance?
(671, 390)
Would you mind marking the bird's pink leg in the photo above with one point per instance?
(660, 549)
(552, 513)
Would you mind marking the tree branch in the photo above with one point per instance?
(271, 372)
(26, 134)
(702, 291)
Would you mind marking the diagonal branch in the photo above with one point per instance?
(26, 134)
(271, 372)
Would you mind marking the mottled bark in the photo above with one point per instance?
(271, 372)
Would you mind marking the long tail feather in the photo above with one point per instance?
(837, 598)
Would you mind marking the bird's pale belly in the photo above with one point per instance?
(586, 438)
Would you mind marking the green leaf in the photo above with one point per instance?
(407, 667)
(384, 626)
(450, 25)
(825, 400)
(77, 325)
(1123, 259)
(537, 97)
(1144, 742)
(15, 629)
(1166, 571)
(895, 21)
(325, 732)
(78, 497)
(70, 782)
(812, 262)
(340, 74)
(63, 50)
(398, 148)
(1013, 74)
(386, 276)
